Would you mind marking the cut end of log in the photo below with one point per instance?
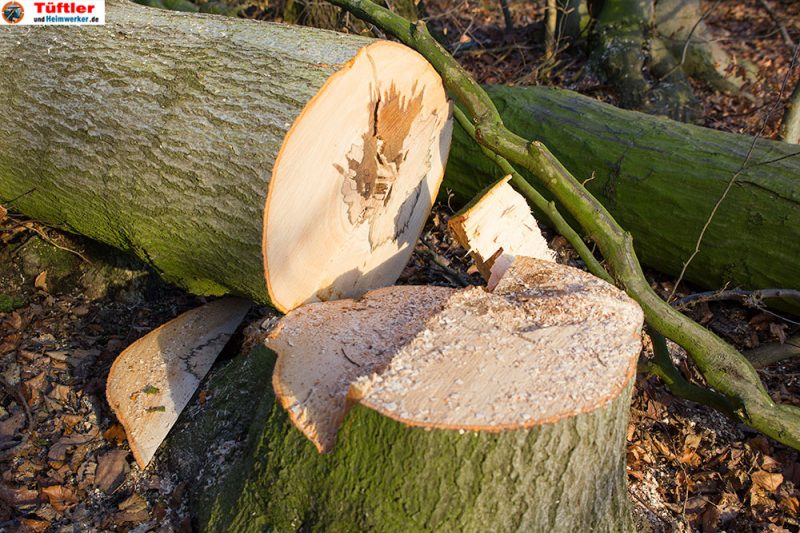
(324, 347)
(356, 178)
(496, 228)
(153, 379)
(550, 342)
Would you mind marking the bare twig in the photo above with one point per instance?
(454, 275)
(749, 298)
(507, 15)
(551, 16)
(769, 354)
(778, 22)
(31, 226)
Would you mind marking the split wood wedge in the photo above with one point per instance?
(153, 379)
(496, 227)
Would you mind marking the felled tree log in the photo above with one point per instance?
(166, 134)
(660, 179)
(444, 409)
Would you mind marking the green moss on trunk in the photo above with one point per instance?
(385, 476)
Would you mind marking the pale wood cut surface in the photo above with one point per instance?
(356, 178)
(498, 227)
(550, 342)
(155, 377)
(323, 347)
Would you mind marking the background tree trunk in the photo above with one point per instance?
(624, 45)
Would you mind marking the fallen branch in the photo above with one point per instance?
(749, 298)
(778, 22)
(723, 367)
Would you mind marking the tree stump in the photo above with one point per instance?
(445, 409)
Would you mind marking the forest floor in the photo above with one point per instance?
(64, 461)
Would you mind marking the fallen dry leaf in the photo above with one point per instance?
(767, 481)
(710, 518)
(115, 434)
(60, 497)
(111, 470)
(41, 281)
(31, 524)
(791, 505)
(18, 497)
(779, 330)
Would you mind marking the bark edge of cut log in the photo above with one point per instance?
(399, 463)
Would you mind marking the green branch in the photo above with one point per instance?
(722, 366)
(663, 367)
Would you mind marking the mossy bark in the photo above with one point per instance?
(660, 179)
(157, 133)
(625, 49)
(385, 476)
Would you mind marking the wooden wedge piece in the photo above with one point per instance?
(153, 379)
(497, 227)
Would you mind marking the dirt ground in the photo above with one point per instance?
(68, 307)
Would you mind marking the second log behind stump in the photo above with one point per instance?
(445, 409)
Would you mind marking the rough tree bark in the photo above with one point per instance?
(509, 443)
(162, 133)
